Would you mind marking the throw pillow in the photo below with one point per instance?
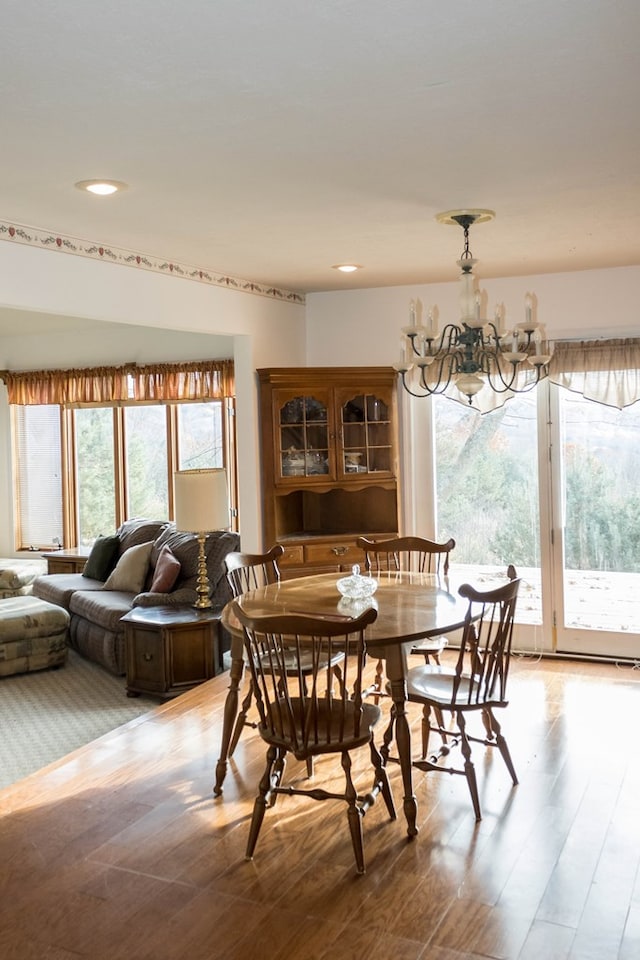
(166, 573)
(131, 569)
(102, 558)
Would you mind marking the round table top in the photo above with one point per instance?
(410, 605)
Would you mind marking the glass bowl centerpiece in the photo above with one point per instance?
(357, 587)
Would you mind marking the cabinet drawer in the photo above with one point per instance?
(292, 573)
(146, 660)
(293, 555)
(340, 553)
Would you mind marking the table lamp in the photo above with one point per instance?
(201, 504)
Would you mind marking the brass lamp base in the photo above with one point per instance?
(203, 586)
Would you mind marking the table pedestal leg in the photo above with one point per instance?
(230, 714)
(396, 673)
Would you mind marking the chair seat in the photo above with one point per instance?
(324, 738)
(435, 684)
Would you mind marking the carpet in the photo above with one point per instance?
(49, 713)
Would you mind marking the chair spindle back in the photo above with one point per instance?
(250, 571)
(482, 669)
(290, 659)
(406, 553)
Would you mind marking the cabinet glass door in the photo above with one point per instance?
(366, 435)
(303, 429)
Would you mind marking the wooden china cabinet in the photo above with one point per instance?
(329, 463)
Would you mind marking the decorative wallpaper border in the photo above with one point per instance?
(33, 237)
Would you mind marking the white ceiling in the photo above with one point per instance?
(270, 140)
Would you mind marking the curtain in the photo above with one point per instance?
(186, 381)
(91, 385)
(604, 370)
(200, 380)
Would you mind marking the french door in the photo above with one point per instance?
(551, 483)
(596, 530)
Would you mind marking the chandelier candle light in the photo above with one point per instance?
(474, 352)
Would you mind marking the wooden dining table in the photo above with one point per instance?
(411, 606)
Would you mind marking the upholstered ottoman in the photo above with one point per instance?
(17, 576)
(33, 635)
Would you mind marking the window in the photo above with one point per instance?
(200, 437)
(39, 475)
(117, 463)
(487, 492)
(95, 481)
(145, 434)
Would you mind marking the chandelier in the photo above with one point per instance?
(473, 352)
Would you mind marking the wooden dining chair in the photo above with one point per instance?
(408, 553)
(300, 715)
(251, 571)
(477, 684)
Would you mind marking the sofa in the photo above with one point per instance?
(145, 563)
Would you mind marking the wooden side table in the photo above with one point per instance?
(67, 561)
(170, 649)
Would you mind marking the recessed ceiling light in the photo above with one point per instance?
(347, 267)
(101, 188)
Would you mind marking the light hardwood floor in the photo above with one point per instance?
(120, 852)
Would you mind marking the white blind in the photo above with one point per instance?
(38, 476)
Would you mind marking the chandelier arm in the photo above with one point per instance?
(496, 335)
(435, 345)
(491, 357)
(446, 364)
(412, 337)
(440, 388)
(509, 387)
(452, 332)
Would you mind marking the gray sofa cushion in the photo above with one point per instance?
(58, 587)
(102, 608)
(132, 532)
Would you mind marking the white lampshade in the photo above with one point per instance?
(201, 500)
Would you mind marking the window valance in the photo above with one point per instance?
(198, 380)
(210, 380)
(607, 371)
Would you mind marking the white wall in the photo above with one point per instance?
(147, 308)
(364, 326)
